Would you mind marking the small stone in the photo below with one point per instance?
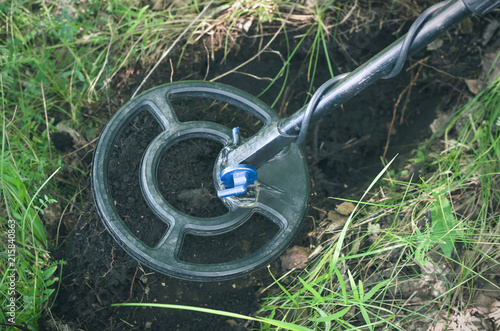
(474, 85)
(232, 323)
(336, 221)
(52, 214)
(440, 119)
(373, 231)
(345, 208)
(435, 45)
(489, 32)
(295, 257)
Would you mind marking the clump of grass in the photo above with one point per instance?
(420, 249)
(27, 267)
(55, 59)
(25, 168)
(314, 26)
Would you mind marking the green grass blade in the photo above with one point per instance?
(312, 290)
(374, 290)
(364, 313)
(291, 297)
(281, 324)
(343, 287)
(443, 225)
(333, 317)
(343, 233)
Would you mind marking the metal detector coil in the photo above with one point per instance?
(280, 193)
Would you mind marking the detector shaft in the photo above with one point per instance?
(270, 142)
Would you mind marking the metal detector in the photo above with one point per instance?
(265, 173)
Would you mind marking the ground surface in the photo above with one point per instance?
(343, 151)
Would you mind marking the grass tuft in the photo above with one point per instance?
(419, 250)
(55, 59)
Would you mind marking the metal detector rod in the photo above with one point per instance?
(270, 142)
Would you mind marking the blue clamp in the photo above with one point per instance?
(237, 178)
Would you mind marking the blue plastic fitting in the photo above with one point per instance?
(237, 178)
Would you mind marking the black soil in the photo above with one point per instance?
(343, 151)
